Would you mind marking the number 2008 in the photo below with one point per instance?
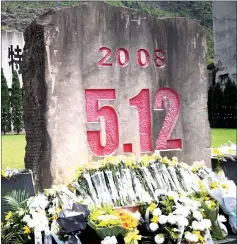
(143, 57)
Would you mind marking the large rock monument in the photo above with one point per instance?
(103, 80)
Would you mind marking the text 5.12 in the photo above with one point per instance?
(122, 57)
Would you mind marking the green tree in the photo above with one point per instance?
(6, 115)
(229, 104)
(217, 106)
(16, 104)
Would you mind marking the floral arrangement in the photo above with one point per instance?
(109, 223)
(8, 173)
(176, 219)
(181, 202)
(225, 151)
(224, 192)
(124, 181)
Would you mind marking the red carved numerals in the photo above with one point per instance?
(93, 114)
(139, 57)
(102, 123)
(118, 57)
(164, 142)
(108, 54)
(142, 103)
(159, 57)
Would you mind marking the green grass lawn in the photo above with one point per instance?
(13, 151)
(222, 136)
(13, 146)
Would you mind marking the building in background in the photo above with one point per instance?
(12, 48)
(224, 28)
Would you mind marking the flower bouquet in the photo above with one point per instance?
(110, 223)
(175, 219)
(223, 191)
(210, 210)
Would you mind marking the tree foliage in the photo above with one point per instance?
(5, 98)
(16, 104)
(222, 105)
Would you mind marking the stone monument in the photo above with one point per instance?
(102, 80)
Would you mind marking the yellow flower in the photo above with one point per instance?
(217, 152)
(132, 237)
(110, 159)
(145, 160)
(200, 237)
(214, 185)
(194, 170)
(152, 207)
(27, 230)
(223, 185)
(58, 210)
(102, 163)
(220, 173)
(165, 160)
(3, 174)
(129, 162)
(54, 217)
(8, 216)
(155, 219)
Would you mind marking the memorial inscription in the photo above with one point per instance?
(141, 102)
(159, 57)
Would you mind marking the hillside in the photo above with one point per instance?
(17, 15)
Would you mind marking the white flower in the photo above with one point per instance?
(221, 218)
(182, 221)
(136, 215)
(153, 226)
(206, 223)
(39, 220)
(31, 223)
(188, 236)
(51, 211)
(173, 194)
(26, 218)
(184, 199)
(197, 215)
(39, 201)
(156, 212)
(172, 219)
(159, 239)
(195, 225)
(191, 237)
(195, 238)
(199, 225)
(163, 219)
(182, 211)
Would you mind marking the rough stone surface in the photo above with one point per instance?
(60, 62)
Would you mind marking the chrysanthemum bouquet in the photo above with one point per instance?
(110, 223)
(176, 219)
(223, 191)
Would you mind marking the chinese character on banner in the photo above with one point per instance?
(15, 56)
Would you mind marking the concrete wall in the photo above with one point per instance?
(10, 38)
(224, 24)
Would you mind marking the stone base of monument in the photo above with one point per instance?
(229, 167)
(21, 181)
